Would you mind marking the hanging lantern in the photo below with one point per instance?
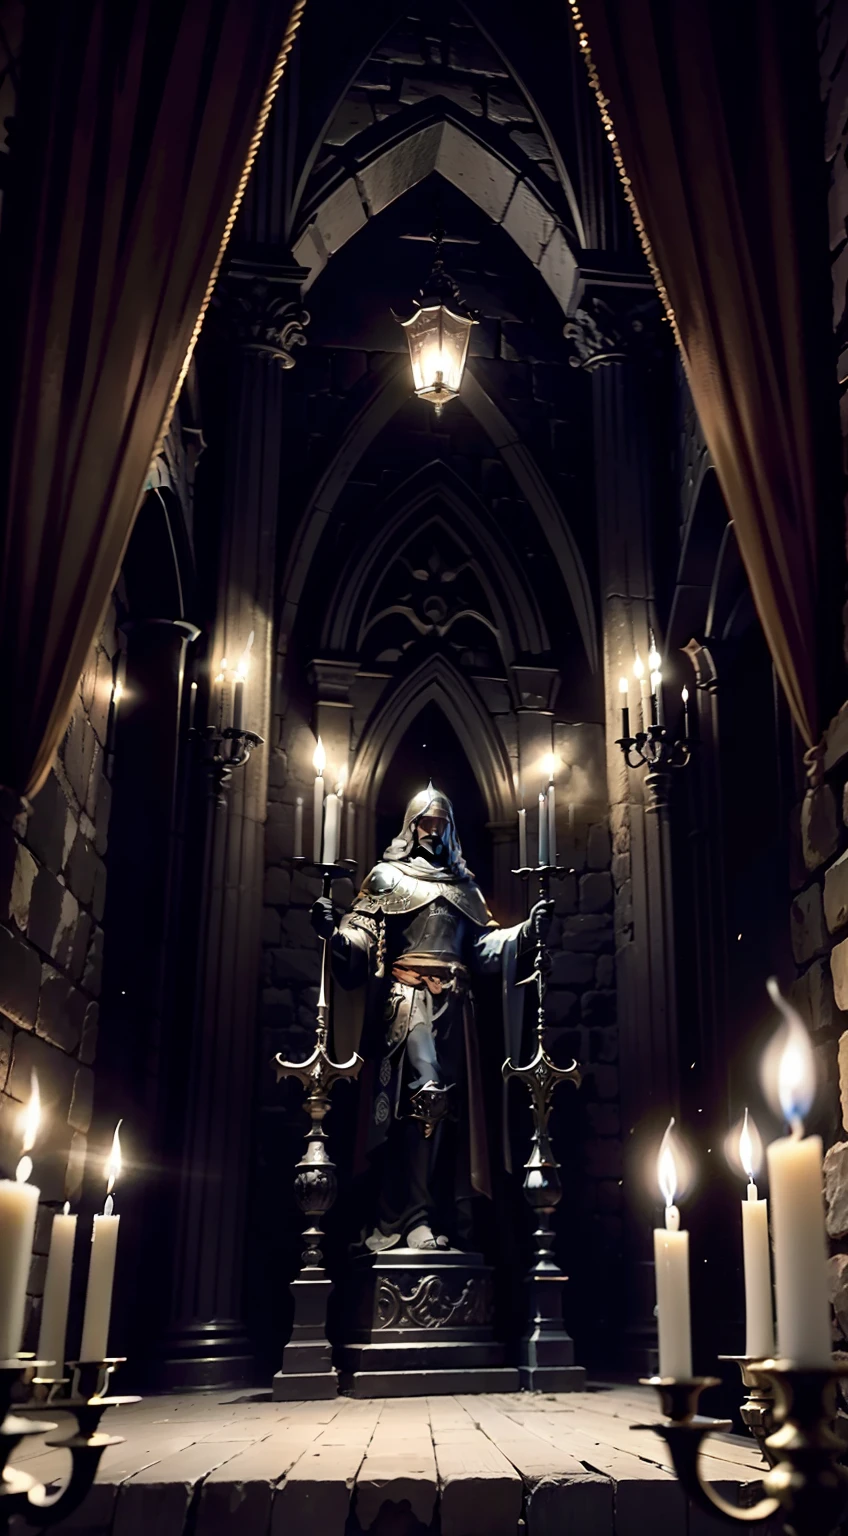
(437, 335)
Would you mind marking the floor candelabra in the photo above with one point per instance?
(546, 1361)
(307, 1371)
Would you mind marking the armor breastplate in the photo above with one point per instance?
(437, 929)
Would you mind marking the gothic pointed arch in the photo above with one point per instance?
(435, 498)
(435, 680)
(385, 394)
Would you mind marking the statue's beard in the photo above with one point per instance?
(433, 849)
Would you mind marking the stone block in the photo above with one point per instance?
(596, 892)
(91, 976)
(294, 966)
(812, 995)
(470, 168)
(414, 91)
(278, 887)
(619, 822)
(45, 910)
(598, 848)
(836, 1189)
(88, 1041)
(837, 1279)
(598, 1008)
(305, 888)
(297, 931)
(23, 880)
(340, 216)
(98, 895)
(78, 754)
(529, 222)
(352, 117)
(836, 740)
(589, 931)
(79, 949)
(55, 1022)
(565, 896)
(88, 678)
(605, 972)
(82, 1100)
(620, 870)
(842, 1061)
(400, 48)
(807, 926)
(819, 826)
(20, 980)
(80, 869)
(102, 813)
(470, 52)
(559, 268)
(46, 826)
(506, 106)
(100, 705)
(560, 1005)
(271, 928)
(75, 1171)
(63, 939)
(571, 969)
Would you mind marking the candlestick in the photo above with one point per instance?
(671, 1259)
(551, 798)
(759, 1316)
(57, 1290)
(192, 705)
(522, 837)
(684, 694)
(298, 827)
(101, 1270)
(18, 1210)
(332, 809)
(657, 716)
(319, 763)
(543, 829)
(644, 697)
(795, 1176)
(624, 691)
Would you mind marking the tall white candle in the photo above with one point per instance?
(319, 762)
(220, 684)
(18, 1210)
(332, 819)
(522, 838)
(543, 829)
(759, 1310)
(350, 831)
(644, 716)
(795, 1177)
(298, 827)
(671, 1260)
(101, 1270)
(57, 1290)
(552, 842)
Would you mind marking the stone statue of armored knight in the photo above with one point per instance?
(416, 936)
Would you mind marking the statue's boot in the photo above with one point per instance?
(422, 1237)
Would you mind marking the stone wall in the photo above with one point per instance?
(52, 893)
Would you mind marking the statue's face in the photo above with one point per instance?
(431, 836)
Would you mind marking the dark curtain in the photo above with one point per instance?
(714, 113)
(136, 121)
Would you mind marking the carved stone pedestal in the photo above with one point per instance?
(546, 1356)
(419, 1324)
(307, 1372)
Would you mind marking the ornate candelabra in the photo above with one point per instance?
(23, 1495)
(546, 1361)
(655, 750)
(804, 1485)
(757, 1410)
(222, 751)
(307, 1371)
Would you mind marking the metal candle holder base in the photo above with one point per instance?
(805, 1484)
(655, 750)
(23, 1495)
(757, 1411)
(546, 1361)
(307, 1372)
(217, 762)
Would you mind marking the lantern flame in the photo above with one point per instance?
(115, 1161)
(319, 758)
(666, 1166)
(795, 1075)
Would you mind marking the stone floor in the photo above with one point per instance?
(568, 1465)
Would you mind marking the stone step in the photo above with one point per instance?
(432, 1354)
(429, 1383)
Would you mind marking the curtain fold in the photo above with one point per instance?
(136, 127)
(705, 104)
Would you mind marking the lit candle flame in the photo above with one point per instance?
(319, 760)
(549, 766)
(684, 694)
(666, 1167)
(638, 668)
(221, 677)
(623, 685)
(654, 659)
(750, 1148)
(796, 1068)
(30, 1121)
(118, 691)
(115, 1161)
(656, 679)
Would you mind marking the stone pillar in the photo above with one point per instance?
(208, 1344)
(613, 334)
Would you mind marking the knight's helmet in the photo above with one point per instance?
(428, 802)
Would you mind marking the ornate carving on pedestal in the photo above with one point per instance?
(430, 1304)
(614, 329)
(263, 312)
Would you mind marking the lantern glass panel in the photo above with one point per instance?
(438, 345)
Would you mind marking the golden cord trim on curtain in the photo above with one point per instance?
(609, 130)
(264, 113)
